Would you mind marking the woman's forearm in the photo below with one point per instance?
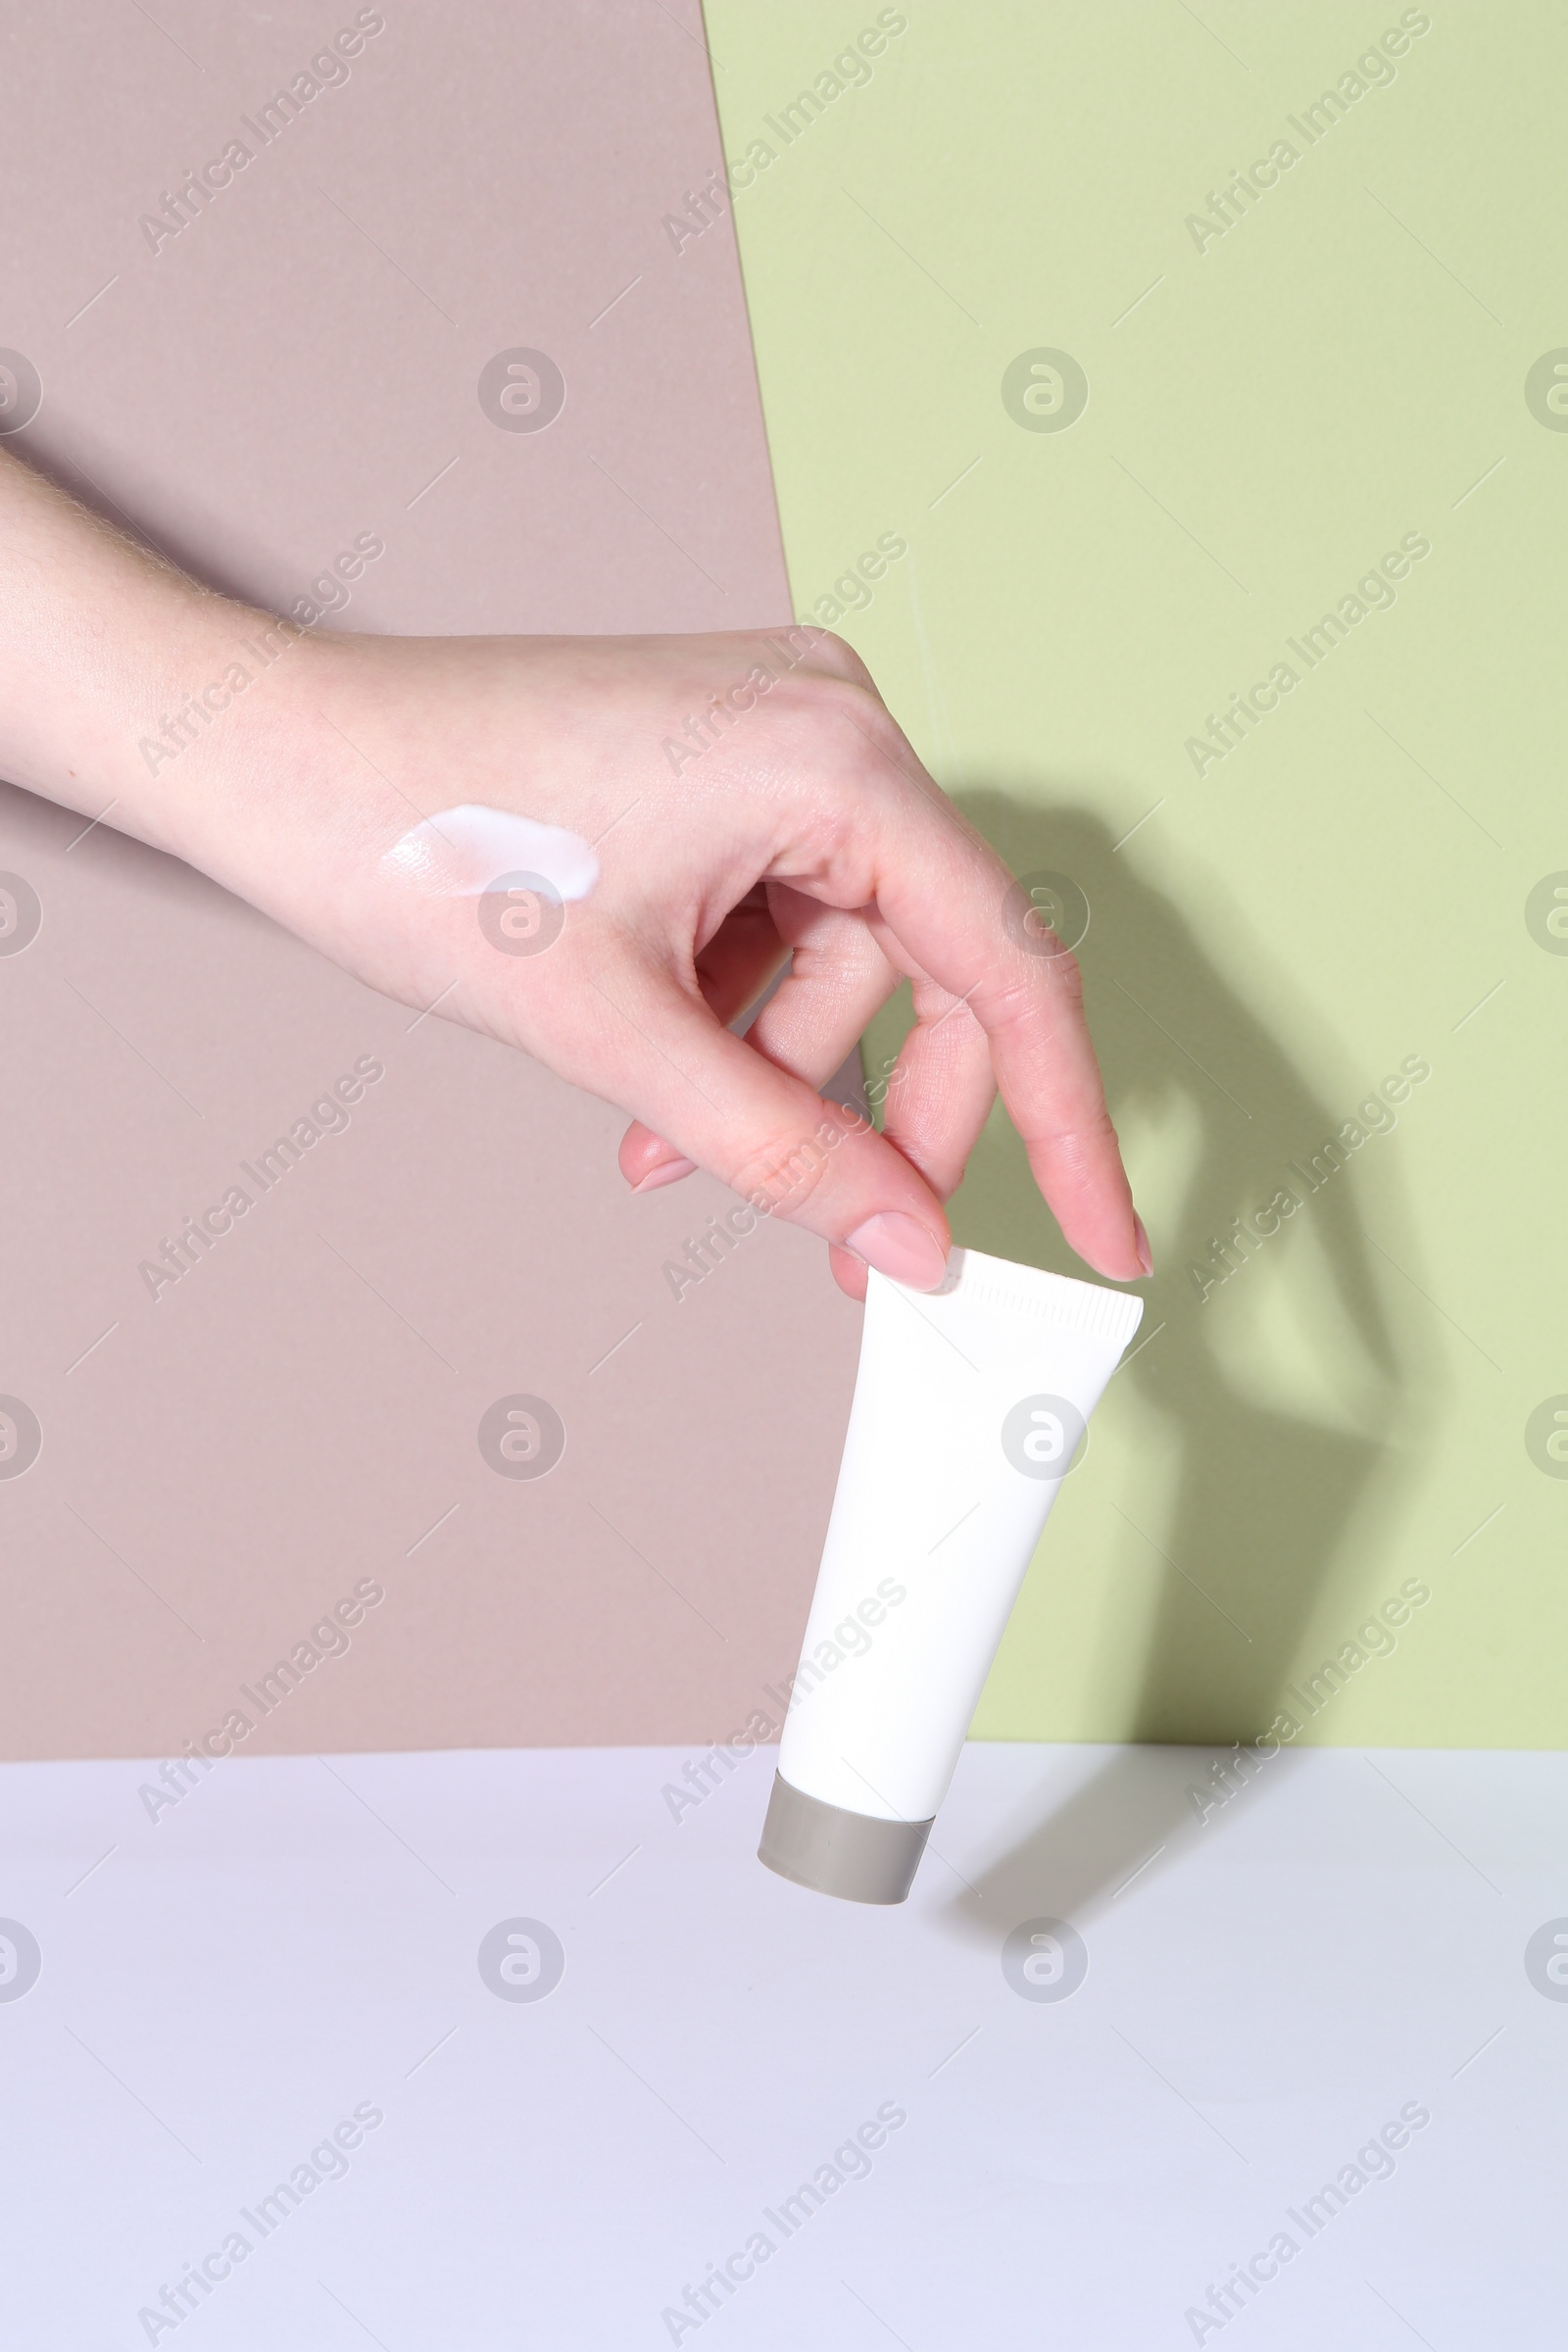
(99, 641)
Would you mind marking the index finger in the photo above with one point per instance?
(942, 903)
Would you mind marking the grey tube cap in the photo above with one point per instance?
(835, 1851)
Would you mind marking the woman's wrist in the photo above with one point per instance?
(231, 750)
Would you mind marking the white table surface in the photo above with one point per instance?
(295, 1939)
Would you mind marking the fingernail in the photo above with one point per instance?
(668, 1171)
(1144, 1254)
(901, 1247)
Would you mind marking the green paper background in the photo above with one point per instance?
(1346, 888)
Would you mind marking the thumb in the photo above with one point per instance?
(767, 1133)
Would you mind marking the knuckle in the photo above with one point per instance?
(842, 735)
(834, 654)
(822, 699)
(1047, 983)
(1065, 973)
(1077, 1141)
(1060, 978)
(1082, 1144)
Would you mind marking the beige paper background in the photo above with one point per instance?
(299, 366)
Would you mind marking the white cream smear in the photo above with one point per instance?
(464, 853)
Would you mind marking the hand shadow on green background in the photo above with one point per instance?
(1260, 1524)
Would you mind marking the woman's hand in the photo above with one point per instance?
(743, 795)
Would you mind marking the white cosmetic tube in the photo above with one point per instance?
(970, 1403)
